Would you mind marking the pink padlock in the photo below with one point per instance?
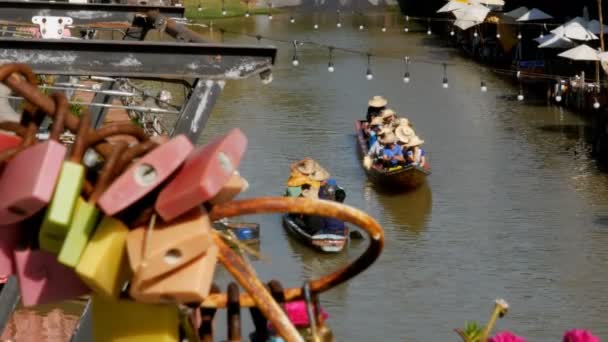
(28, 179)
(145, 175)
(9, 238)
(203, 175)
(44, 280)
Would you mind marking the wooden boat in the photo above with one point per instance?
(329, 243)
(401, 177)
(248, 233)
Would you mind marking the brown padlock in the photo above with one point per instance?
(174, 261)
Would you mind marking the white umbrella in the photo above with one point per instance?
(594, 27)
(518, 12)
(581, 53)
(554, 41)
(474, 13)
(575, 29)
(465, 24)
(491, 2)
(534, 14)
(452, 6)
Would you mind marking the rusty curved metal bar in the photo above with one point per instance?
(9, 75)
(269, 205)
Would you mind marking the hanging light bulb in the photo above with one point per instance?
(452, 33)
(519, 35)
(200, 7)
(361, 27)
(270, 11)
(369, 74)
(406, 74)
(269, 16)
(484, 88)
(330, 64)
(596, 104)
(295, 61)
(520, 96)
(224, 9)
(558, 98)
(316, 26)
(338, 22)
(445, 84)
(383, 29)
(406, 29)
(292, 19)
(247, 14)
(498, 35)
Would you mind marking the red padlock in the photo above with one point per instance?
(203, 175)
(28, 180)
(145, 175)
(8, 141)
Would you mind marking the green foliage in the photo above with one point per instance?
(472, 332)
(76, 108)
(137, 121)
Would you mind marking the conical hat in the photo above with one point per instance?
(404, 133)
(389, 138)
(377, 101)
(415, 141)
(319, 174)
(388, 113)
(305, 166)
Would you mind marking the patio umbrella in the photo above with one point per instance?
(518, 12)
(576, 29)
(491, 2)
(594, 27)
(470, 16)
(555, 41)
(581, 53)
(534, 14)
(452, 6)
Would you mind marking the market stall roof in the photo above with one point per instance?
(581, 53)
(534, 14)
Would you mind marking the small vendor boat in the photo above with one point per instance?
(400, 177)
(329, 243)
(248, 233)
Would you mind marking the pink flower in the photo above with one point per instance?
(506, 336)
(579, 335)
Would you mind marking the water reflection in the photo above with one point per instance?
(43, 323)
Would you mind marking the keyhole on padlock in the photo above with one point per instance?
(225, 162)
(145, 174)
(17, 211)
(173, 256)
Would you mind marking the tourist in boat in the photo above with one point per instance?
(375, 107)
(389, 118)
(403, 133)
(391, 153)
(374, 130)
(301, 172)
(415, 155)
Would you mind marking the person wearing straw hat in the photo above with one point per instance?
(388, 116)
(375, 151)
(375, 106)
(415, 155)
(374, 130)
(392, 153)
(404, 133)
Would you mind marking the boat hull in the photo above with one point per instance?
(328, 243)
(403, 178)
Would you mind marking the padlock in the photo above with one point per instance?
(127, 321)
(203, 175)
(103, 265)
(10, 239)
(174, 261)
(69, 185)
(145, 175)
(35, 171)
(43, 280)
(86, 213)
(8, 141)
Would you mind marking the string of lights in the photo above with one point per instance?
(407, 60)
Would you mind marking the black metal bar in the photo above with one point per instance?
(98, 114)
(197, 109)
(84, 330)
(9, 298)
(81, 14)
(138, 59)
(205, 331)
(234, 313)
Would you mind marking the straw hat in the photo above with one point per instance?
(385, 130)
(377, 101)
(404, 133)
(403, 121)
(388, 113)
(319, 174)
(376, 121)
(312, 193)
(415, 141)
(389, 138)
(305, 166)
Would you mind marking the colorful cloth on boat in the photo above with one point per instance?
(373, 137)
(293, 191)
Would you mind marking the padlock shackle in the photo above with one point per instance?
(272, 205)
(61, 103)
(107, 172)
(80, 144)
(135, 152)
(29, 91)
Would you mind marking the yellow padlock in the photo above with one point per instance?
(103, 265)
(127, 321)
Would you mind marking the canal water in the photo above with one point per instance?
(515, 207)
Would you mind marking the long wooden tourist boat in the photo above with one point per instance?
(329, 243)
(401, 178)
